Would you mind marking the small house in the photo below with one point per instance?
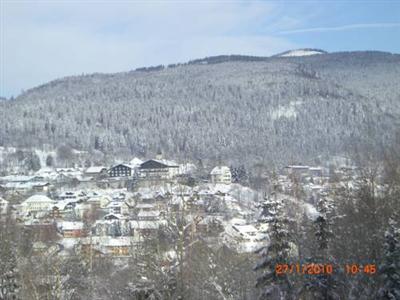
(95, 171)
(221, 175)
(71, 229)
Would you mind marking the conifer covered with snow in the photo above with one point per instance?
(391, 265)
(324, 285)
(9, 274)
(276, 251)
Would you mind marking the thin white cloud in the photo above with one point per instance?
(341, 28)
(46, 40)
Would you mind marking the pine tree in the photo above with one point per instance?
(49, 161)
(8, 263)
(323, 224)
(391, 265)
(32, 161)
(239, 174)
(8, 274)
(324, 285)
(277, 251)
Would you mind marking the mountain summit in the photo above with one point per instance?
(301, 52)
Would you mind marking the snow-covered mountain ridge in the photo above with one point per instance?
(236, 108)
(301, 52)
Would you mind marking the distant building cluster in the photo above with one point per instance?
(104, 211)
(107, 210)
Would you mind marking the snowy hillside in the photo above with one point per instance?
(240, 109)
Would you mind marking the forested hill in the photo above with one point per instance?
(232, 108)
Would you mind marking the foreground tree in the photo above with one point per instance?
(277, 251)
(391, 265)
(324, 285)
(9, 274)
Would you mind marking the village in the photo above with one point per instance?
(108, 211)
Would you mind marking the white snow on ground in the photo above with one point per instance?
(243, 237)
(311, 211)
(43, 156)
(223, 188)
(286, 111)
(40, 153)
(301, 52)
(5, 151)
(241, 193)
(69, 243)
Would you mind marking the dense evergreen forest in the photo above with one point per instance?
(236, 108)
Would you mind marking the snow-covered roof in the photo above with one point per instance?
(95, 199)
(146, 194)
(114, 216)
(45, 171)
(18, 185)
(298, 167)
(17, 178)
(107, 241)
(62, 204)
(150, 190)
(169, 163)
(124, 164)
(72, 194)
(315, 169)
(38, 198)
(95, 170)
(237, 221)
(68, 170)
(116, 242)
(316, 187)
(205, 192)
(144, 206)
(40, 183)
(158, 164)
(246, 229)
(182, 190)
(66, 225)
(65, 169)
(149, 213)
(219, 170)
(147, 224)
(115, 204)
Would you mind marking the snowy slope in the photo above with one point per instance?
(243, 109)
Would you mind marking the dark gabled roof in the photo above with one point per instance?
(153, 164)
(123, 165)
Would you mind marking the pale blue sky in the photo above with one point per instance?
(44, 40)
